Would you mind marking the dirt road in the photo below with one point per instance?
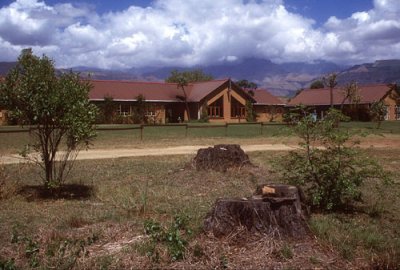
(135, 152)
(377, 142)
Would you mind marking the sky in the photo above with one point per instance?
(124, 34)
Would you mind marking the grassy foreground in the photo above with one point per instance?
(105, 230)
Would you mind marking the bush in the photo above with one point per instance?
(174, 238)
(329, 167)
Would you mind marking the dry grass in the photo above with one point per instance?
(106, 230)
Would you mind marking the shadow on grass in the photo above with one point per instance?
(66, 192)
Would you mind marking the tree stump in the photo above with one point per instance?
(273, 209)
(220, 157)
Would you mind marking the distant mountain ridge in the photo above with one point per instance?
(282, 79)
(381, 71)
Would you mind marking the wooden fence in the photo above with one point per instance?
(192, 126)
(146, 126)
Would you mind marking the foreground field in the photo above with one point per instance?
(103, 227)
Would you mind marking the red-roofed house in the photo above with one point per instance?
(223, 100)
(368, 94)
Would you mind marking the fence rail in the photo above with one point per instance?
(145, 126)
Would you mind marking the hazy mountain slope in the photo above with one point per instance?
(281, 79)
(382, 71)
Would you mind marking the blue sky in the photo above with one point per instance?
(124, 34)
(319, 10)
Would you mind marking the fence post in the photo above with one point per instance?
(226, 129)
(186, 130)
(141, 132)
(261, 128)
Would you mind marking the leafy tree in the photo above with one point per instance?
(331, 175)
(184, 78)
(378, 112)
(272, 111)
(317, 84)
(139, 111)
(330, 82)
(108, 109)
(196, 75)
(247, 85)
(57, 106)
(351, 93)
(204, 114)
(182, 83)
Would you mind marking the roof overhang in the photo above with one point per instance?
(269, 104)
(328, 104)
(147, 100)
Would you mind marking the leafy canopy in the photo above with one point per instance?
(56, 106)
(317, 84)
(184, 77)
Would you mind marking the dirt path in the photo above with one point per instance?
(134, 152)
(190, 150)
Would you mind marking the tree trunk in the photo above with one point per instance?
(186, 103)
(274, 209)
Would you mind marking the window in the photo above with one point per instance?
(387, 114)
(124, 110)
(237, 109)
(216, 109)
(397, 112)
(150, 111)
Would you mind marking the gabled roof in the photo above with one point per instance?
(197, 91)
(368, 94)
(263, 97)
(153, 91)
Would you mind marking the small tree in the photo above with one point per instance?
(330, 175)
(250, 112)
(108, 109)
(196, 75)
(351, 93)
(139, 111)
(272, 113)
(378, 112)
(317, 84)
(57, 106)
(204, 114)
(182, 83)
(247, 85)
(330, 82)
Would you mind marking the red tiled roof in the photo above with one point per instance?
(152, 91)
(129, 90)
(263, 97)
(199, 90)
(368, 94)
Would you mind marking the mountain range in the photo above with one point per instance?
(281, 79)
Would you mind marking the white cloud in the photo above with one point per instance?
(366, 35)
(175, 32)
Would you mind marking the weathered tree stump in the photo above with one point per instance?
(273, 209)
(220, 157)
